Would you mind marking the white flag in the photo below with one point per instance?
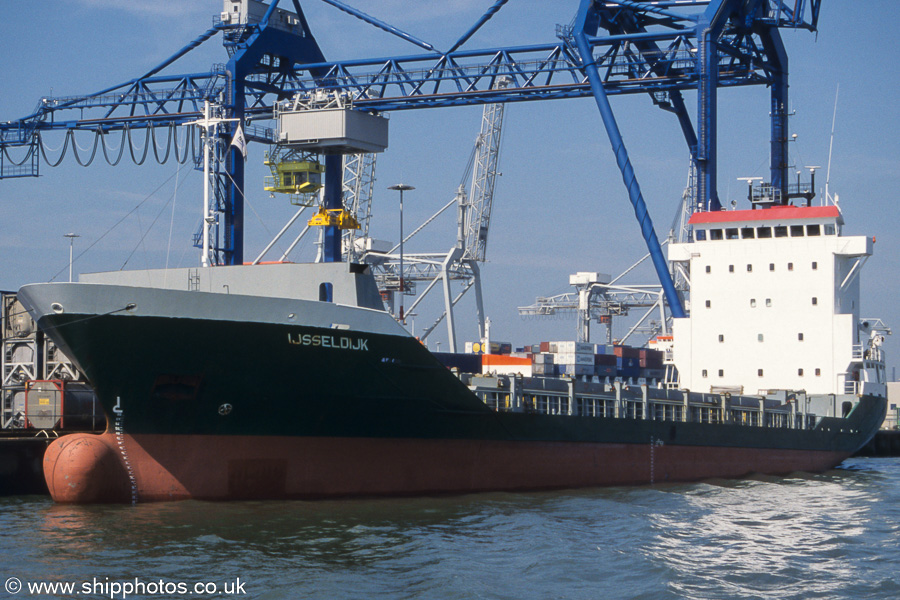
(239, 141)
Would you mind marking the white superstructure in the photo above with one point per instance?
(775, 304)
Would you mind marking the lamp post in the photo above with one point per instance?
(71, 237)
(401, 187)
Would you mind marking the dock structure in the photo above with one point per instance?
(21, 458)
(886, 443)
(28, 356)
(44, 395)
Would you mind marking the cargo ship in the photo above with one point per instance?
(293, 381)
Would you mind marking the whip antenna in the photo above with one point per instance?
(831, 144)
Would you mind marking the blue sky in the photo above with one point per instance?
(560, 205)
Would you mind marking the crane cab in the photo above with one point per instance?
(295, 177)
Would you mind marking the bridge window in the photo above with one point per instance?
(731, 233)
(829, 230)
(763, 232)
(747, 233)
(781, 231)
(715, 234)
(326, 291)
(813, 230)
(796, 230)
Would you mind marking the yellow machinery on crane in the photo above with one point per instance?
(300, 178)
(334, 217)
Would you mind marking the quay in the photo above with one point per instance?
(885, 443)
(21, 458)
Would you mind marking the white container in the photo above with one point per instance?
(574, 347)
(571, 358)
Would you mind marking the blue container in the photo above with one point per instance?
(628, 372)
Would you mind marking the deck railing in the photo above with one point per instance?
(641, 402)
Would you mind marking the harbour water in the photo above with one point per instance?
(833, 535)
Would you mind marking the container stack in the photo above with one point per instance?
(575, 359)
(489, 348)
(569, 358)
(628, 361)
(651, 362)
(604, 361)
(542, 364)
(581, 359)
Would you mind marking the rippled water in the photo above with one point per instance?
(835, 535)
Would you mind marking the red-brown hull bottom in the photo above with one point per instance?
(84, 468)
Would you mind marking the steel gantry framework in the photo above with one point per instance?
(461, 262)
(661, 48)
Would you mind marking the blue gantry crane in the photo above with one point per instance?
(660, 48)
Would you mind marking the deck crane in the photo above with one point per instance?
(613, 47)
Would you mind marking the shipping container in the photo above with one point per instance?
(504, 359)
(570, 358)
(627, 351)
(576, 370)
(651, 362)
(628, 372)
(543, 357)
(605, 371)
(574, 347)
(609, 360)
(493, 347)
(653, 373)
(628, 363)
(545, 369)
